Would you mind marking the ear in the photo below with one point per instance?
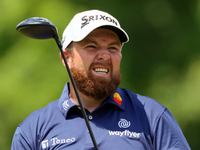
(66, 56)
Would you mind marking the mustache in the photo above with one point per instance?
(105, 64)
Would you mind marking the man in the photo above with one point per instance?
(120, 119)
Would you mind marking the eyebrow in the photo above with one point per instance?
(94, 42)
(116, 43)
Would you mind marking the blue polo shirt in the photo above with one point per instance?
(124, 121)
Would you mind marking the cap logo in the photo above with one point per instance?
(86, 19)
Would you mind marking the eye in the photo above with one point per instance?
(91, 46)
(112, 48)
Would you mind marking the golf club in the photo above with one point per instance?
(42, 28)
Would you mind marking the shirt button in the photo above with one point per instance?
(90, 117)
(79, 107)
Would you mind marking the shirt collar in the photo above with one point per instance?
(65, 103)
(117, 99)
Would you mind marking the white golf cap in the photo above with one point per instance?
(85, 22)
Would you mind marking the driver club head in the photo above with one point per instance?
(37, 28)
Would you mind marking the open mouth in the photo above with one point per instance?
(101, 70)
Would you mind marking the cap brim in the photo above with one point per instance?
(120, 32)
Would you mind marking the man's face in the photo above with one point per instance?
(95, 63)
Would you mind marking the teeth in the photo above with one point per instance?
(102, 70)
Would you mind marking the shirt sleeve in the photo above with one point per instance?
(20, 141)
(168, 135)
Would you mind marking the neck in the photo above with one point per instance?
(89, 103)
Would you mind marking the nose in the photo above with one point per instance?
(103, 55)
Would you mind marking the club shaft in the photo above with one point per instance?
(77, 94)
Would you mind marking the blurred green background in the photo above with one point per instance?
(162, 59)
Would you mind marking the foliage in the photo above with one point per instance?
(162, 59)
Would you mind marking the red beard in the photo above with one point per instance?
(95, 87)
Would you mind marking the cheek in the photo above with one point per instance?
(74, 62)
(83, 61)
(116, 62)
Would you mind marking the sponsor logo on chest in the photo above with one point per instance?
(123, 123)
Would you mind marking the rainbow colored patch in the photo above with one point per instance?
(117, 98)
